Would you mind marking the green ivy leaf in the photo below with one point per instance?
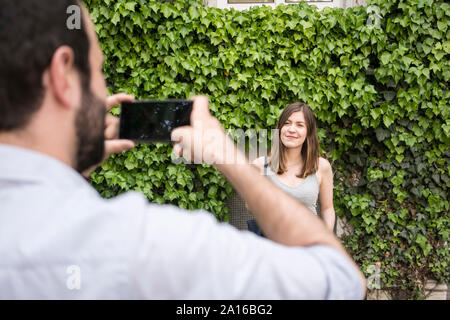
(253, 63)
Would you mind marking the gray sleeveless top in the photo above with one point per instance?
(306, 192)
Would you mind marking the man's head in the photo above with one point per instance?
(52, 89)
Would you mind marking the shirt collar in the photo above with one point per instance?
(25, 165)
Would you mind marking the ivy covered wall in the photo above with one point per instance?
(376, 77)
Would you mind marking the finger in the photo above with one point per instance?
(117, 146)
(181, 134)
(183, 137)
(118, 98)
(112, 124)
(200, 110)
(177, 149)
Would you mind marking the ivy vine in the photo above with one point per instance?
(377, 78)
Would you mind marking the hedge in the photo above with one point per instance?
(377, 80)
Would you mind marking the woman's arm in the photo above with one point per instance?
(326, 193)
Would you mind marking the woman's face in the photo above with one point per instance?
(293, 132)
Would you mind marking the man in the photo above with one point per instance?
(60, 240)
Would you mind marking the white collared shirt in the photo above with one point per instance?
(59, 239)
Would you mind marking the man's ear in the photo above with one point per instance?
(63, 77)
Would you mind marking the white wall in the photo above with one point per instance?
(320, 4)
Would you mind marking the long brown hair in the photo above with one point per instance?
(310, 149)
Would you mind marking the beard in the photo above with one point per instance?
(90, 127)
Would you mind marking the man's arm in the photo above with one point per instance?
(281, 217)
(199, 258)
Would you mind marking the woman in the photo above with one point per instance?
(295, 166)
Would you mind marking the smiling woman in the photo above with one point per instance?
(294, 164)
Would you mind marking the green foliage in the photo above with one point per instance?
(379, 91)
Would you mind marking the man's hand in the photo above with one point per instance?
(112, 143)
(204, 141)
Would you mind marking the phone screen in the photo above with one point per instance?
(153, 120)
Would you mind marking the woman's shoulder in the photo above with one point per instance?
(324, 165)
(324, 169)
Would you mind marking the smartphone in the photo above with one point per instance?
(153, 120)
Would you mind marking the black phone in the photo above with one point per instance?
(153, 120)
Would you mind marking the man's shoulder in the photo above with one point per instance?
(135, 206)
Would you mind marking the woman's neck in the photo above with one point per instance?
(293, 157)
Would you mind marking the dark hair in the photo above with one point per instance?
(310, 149)
(30, 33)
